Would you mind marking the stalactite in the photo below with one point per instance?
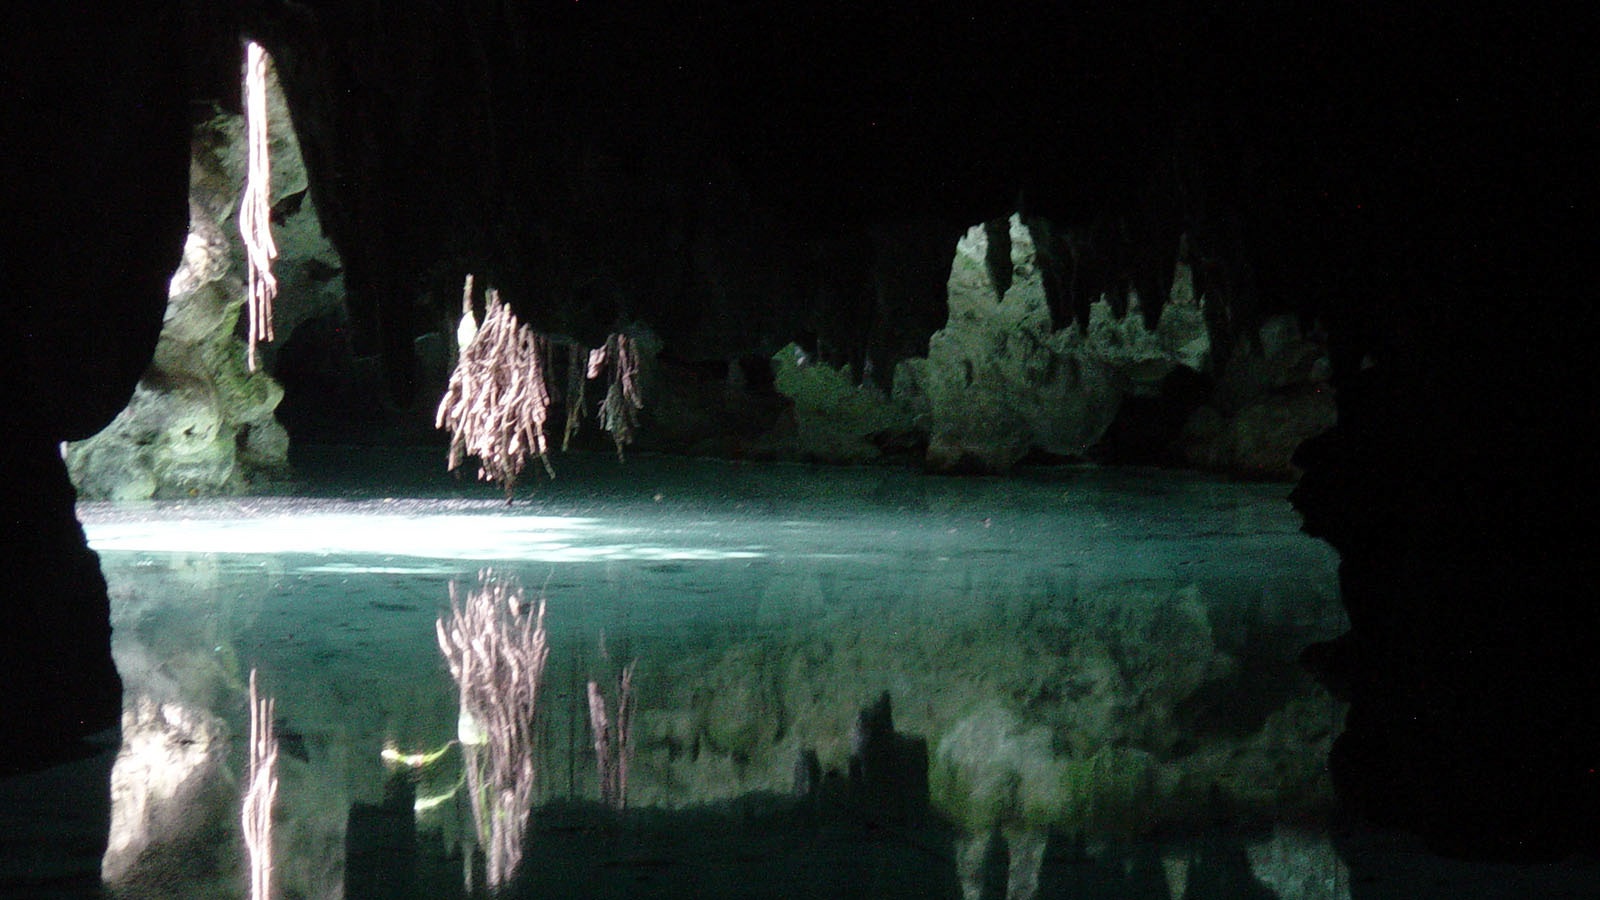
(577, 366)
(255, 210)
(498, 398)
(619, 412)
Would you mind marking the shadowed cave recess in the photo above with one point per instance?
(828, 225)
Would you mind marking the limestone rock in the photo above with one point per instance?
(1274, 395)
(1299, 862)
(199, 421)
(197, 406)
(1143, 652)
(740, 712)
(170, 766)
(1102, 707)
(1001, 380)
(702, 410)
(995, 768)
(835, 417)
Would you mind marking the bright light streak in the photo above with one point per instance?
(378, 569)
(426, 536)
(255, 209)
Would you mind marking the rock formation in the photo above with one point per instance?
(1002, 379)
(1275, 393)
(836, 418)
(1425, 234)
(199, 421)
(996, 774)
(97, 169)
(1130, 678)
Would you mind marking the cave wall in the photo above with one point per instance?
(95, 215)
(201, 421)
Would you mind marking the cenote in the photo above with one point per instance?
(1071, 453)
(840, 682)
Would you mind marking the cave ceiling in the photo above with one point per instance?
(732, 174)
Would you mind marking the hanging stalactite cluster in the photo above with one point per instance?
(498, 402)
(619, 412)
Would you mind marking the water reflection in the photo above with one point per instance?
(497, 646)
(1012, 697)
(612, 730)
(260, 793)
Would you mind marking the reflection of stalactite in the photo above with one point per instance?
(255, 210)
(498, 399)
(496, 650)
(613, 741)
(261, 789)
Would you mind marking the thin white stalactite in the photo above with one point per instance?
(577, 365)
(255, 209)
(261, 790)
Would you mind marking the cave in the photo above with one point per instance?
(1287, 290)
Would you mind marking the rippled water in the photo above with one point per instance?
(1096, 667)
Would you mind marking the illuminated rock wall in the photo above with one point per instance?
(1002, 378)
(199, 421)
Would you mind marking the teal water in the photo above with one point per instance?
(1098, 666)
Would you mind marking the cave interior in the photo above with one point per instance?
(741, 178)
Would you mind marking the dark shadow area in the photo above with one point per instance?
(768, 846)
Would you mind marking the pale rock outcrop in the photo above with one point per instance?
(170, 764)
(199, 421)
(1274, 394)
(1001, 379)
(836, 418)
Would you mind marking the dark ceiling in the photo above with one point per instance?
(1329, 162)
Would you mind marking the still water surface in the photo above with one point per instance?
(814, 682)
